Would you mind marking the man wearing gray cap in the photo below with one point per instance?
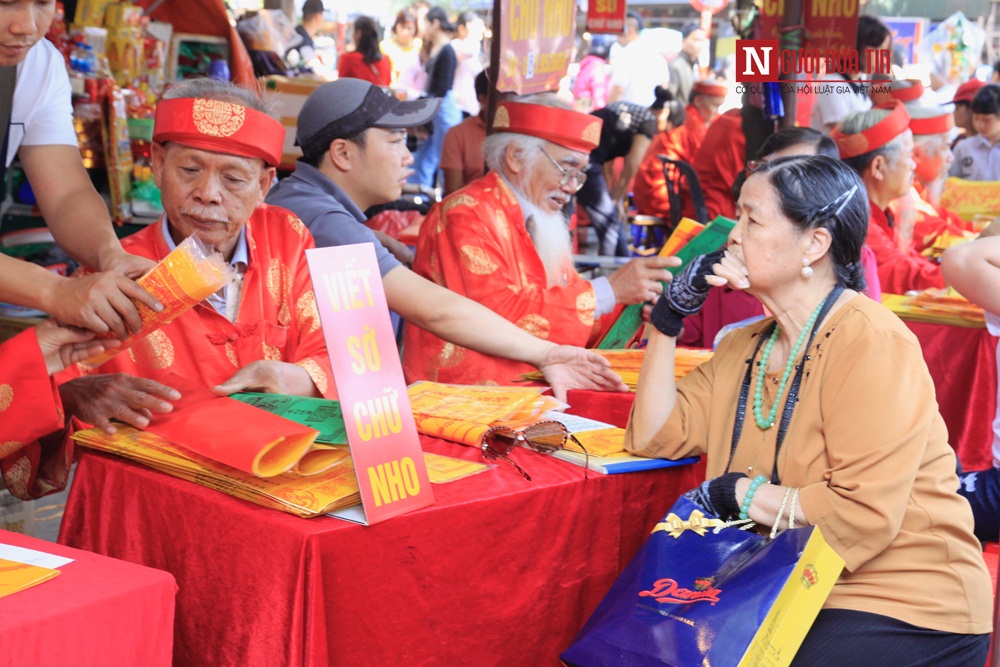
(353, 142)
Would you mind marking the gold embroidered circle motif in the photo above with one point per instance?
(592, 133)
(501, 118)
(6, 396)
(218, 119)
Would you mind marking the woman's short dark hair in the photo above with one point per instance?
(871, 34)
(665, 100)
(792, 136)
(987, 100)
(366, 35)
(817, 191)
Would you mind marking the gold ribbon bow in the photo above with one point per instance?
(697, 522)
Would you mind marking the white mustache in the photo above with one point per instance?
(205, 213)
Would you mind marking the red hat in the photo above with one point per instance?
(936, 124)
(967, 91)
(565, 127)
(906, 90)
(220, 127)
(876, 136)
(710, 88)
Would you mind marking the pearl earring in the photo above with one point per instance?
(806, 269)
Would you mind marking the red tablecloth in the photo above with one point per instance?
(961, 361)
(500, 571)
(98, 611)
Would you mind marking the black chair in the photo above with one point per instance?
(673, 172)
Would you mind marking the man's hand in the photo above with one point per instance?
(100, 302)
(641, 279)
(269, 377)
(397, 248)
(567, 367)
(63, 346)
(97, 399)
(132, 266)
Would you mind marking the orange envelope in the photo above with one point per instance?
(240, 435)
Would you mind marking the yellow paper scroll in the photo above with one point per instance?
(182, 279)
(936, 307)
(464, 413)
(970, 199)
(626, 363)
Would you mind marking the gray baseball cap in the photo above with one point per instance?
(345, 107)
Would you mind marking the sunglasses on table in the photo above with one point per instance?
(542, 436)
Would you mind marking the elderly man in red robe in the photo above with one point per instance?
(214, 156)
(878, 144)
(681, 143)
(503, 241)
(932, 153)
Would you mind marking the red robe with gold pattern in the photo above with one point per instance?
(29, 409)
(899, 271)
(682, 143)
(475, 243)
(277, 318)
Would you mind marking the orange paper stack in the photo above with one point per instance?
(187, 276)
(305, 496)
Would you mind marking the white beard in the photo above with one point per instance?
(550, 234)
(551, 237)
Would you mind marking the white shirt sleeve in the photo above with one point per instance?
(42, 114)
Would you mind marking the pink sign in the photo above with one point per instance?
(383, 437)
(536, 44)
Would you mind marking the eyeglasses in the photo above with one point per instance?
(543, 436)
(577, 176)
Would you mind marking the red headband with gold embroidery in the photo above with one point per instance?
(220, 127)
(933, 125)
(904, 94)
(876, 136)
(569, 129)
(710, 88)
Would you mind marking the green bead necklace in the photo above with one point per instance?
(758, 394)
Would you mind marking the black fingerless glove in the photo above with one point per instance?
(685, 294)
(718, 495)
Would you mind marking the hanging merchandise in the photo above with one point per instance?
(952, 48)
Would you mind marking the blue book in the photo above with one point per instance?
(612, 465)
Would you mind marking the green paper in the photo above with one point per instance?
(320, 414)
(708, 240)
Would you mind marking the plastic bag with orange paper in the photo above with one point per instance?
(185, 277)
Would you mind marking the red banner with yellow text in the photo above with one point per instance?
(606, 17)
(536, 44)
(829, 24)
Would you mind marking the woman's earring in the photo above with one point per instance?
(807, 270)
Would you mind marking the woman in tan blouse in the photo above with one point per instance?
(863, 444)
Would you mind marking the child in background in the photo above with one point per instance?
(978, 158)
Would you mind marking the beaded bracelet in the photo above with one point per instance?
(755, 483)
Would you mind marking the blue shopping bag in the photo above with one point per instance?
(696, 595)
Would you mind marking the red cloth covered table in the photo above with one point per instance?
(961, 361)
(98, 611)
(500, 571)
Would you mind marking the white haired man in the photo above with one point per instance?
(503, 241)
